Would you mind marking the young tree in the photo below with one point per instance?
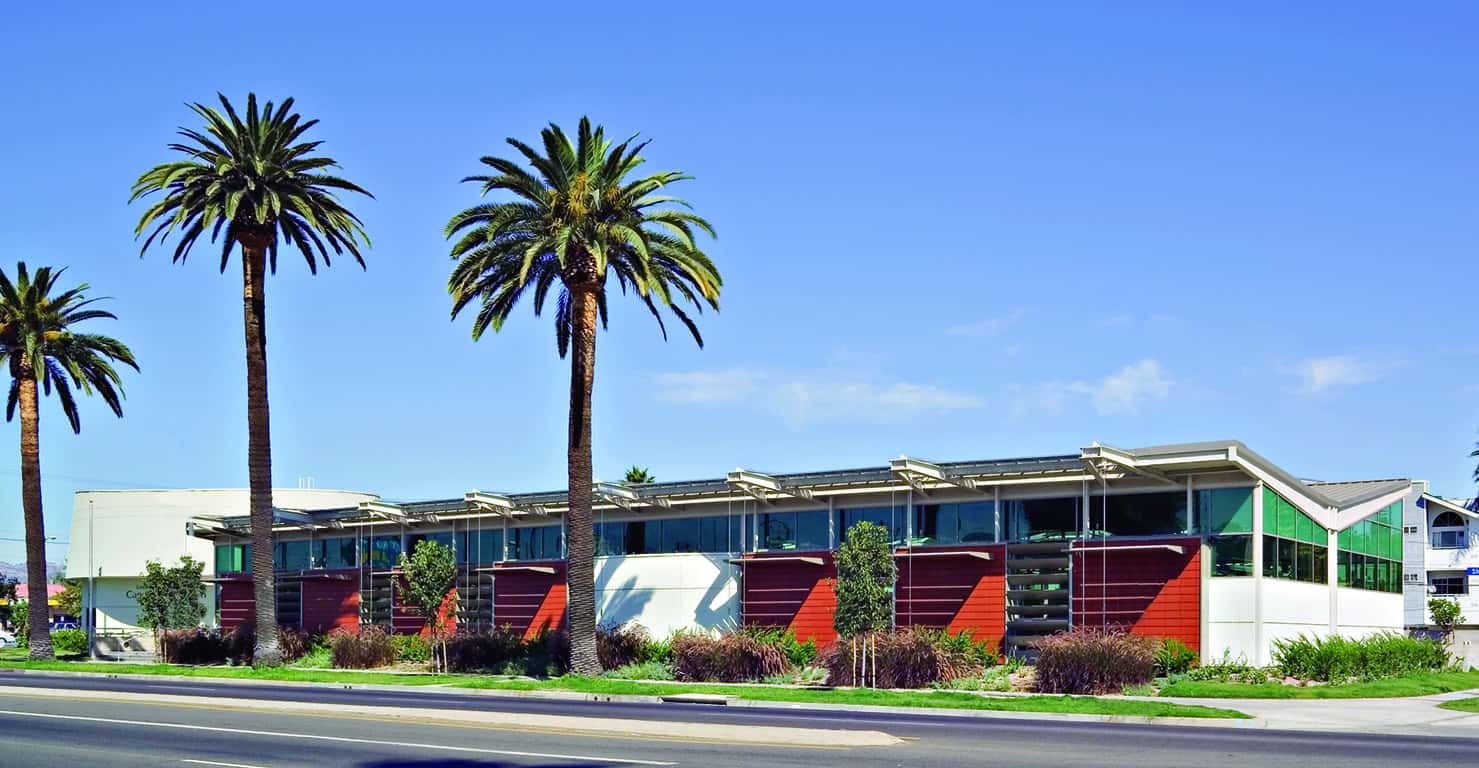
(251, 182)
(866, 574)
(20, 621)
(1446, 614)
(46, 352)
(170, 597)
(430, 575)
(69, 600)
(638, 475)
(577, 221)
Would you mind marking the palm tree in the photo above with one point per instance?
(578, 220)
(638, 475)
(38, 341)
(1474, 502)
(252, 183)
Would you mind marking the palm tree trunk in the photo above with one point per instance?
(39, 609)
(259, 456)
(580, 560)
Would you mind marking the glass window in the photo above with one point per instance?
(1449, 585)
(381, 551)
(720, 534)
(233, 558)
(477, 546)
(1045, 519)
(1270, 557)
(793, 530)
(884, 516)
(1286, 569)
(443, 538)
(1226, 510)
(1304, 565)
(1141, 514)
(537, 543)
(1320, 566)
(336, 552)
(1448, 520)
(1231, 555)
(680, 535)
(1448, 539)
(290, 555)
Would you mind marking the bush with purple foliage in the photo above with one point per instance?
(1091, 660)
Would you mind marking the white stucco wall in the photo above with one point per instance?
(1291, 609)
(665, 593)
(1362, 612)
(1229, 618)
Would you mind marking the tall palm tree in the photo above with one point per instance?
(38, 341)
(577, 220)
(252, 183)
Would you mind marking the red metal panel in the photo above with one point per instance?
(529, 601)
(791, 594)
(1149, 591)
(954, 592)
(331, 601)
(235, 603)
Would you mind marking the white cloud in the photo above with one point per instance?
(991, 326)
(808, 396)
(1124, 391)
(1318, 374)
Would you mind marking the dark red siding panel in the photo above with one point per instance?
(1149, 591)
(235, 604)
(330, 601)
(779, 591)
(529, 601)
(954, 592)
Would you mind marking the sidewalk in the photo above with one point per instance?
(1412, 716)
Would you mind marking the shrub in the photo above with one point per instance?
(361, 647)
(192, 646)
(411, 648)
(1173, 657)
(1228, 670)
(732, 658)
(655, 650)
(797, 653)
(647, 670)
(239, 643)
(910, 658)
(620, 646)
(1090, 660)
(1338, 659)
(68, 642)
(490, 650)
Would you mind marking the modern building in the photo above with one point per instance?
(115, 532)
(1441, 557)
(1208, 543)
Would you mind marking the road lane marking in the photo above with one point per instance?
(223, 765)
(338, 739)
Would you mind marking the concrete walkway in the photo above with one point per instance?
(1414, 715)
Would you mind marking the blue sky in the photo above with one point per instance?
(946, 231)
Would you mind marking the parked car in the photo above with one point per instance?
(7, 640)
(65, 625)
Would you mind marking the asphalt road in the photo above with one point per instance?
(49, 732)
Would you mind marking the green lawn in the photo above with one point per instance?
(1421, 684)
(942, 699)
(1462, 705)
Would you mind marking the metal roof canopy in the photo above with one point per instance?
(937, 553)
(760, 486)
(784, 559)
(916, 472)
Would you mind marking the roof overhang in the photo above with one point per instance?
(1442, 503)
(763, 487)
(924, 475)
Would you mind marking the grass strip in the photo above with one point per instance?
(1085, 705)
(1418, 684)
(1461, 705)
